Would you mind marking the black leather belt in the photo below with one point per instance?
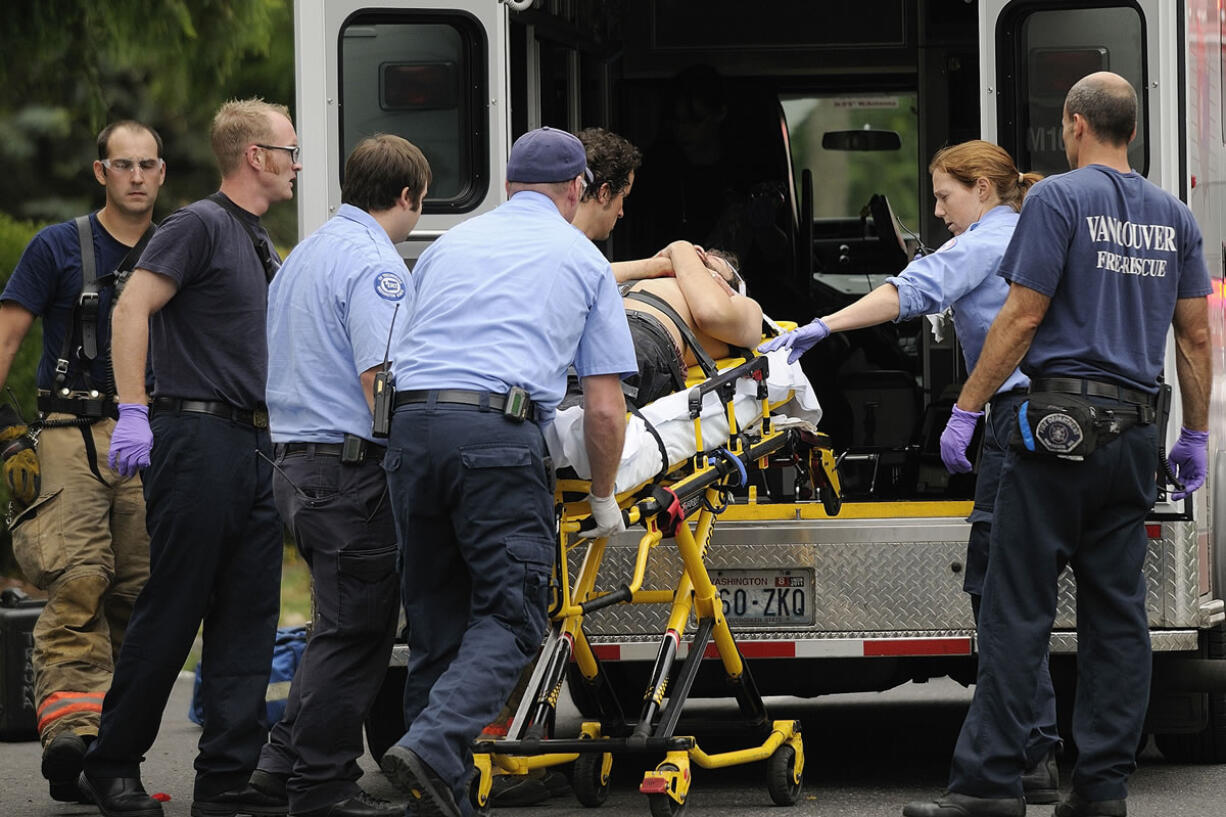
(80, 404)
(257, 418)
(486, 401)
(364, 450)
(1092, 388)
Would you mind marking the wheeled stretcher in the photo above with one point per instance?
(675, 486)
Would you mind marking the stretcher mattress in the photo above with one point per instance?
(789, 394)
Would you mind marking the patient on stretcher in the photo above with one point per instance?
(664, 427)
(699, 314)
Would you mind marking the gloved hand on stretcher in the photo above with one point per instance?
(1189, 459)
(799, 340)
(606, 515)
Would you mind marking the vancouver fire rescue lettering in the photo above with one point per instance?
(1125, 234)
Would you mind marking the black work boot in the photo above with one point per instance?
(120, 796)
(1075, 806)
(1041, 782)
(952, 804)
(428, 793)
(270, 783)
(62, 764)
(246, 800)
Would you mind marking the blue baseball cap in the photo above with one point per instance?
(547, 155)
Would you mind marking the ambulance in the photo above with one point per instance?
(798, 134)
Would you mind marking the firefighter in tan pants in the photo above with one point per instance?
(78, 527)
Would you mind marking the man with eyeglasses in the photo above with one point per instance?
(78, 526)
(197, 302)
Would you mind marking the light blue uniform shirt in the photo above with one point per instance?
(511, 298)
(962, 274)
(329, 311)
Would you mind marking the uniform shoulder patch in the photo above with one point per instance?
(948, 245)
(389, 286)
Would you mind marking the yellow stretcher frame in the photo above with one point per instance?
(701, 490)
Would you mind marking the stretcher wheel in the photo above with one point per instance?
(662, 805)
(589, 781)
(781, 780)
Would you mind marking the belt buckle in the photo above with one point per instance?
(259, 418)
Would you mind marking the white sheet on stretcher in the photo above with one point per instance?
(670, 416)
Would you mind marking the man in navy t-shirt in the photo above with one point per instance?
(78, 527)
(1101, 264)
(197, 301)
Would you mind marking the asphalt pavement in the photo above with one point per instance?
(866, 754)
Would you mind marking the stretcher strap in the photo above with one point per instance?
(671, 513)
(724, 453)
(651, 429)
(700, 354)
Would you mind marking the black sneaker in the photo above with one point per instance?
(428, 793)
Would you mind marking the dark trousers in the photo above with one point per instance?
(342, 523)
(1001, 421)
(474, 513)
(660, 369)
(215, 556)
(1050, 513)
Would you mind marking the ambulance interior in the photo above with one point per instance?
(798, 139)
(803, 148)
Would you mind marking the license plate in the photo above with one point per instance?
(766, 598)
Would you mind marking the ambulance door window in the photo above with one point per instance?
(845, 179)
(422, 77)
(1048, 50)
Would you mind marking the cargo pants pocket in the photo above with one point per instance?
(531, 561)
(367, 589)
(38, 540)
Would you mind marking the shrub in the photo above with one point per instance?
(14, 236)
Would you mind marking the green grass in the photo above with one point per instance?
(295, 589)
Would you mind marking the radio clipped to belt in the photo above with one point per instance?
(1070, 427)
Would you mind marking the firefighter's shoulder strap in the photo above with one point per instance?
(85, 315)
(87, 303)
(700, 354)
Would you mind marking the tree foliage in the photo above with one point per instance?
(71, 66)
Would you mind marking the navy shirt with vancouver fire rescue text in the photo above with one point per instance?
(1114, 252)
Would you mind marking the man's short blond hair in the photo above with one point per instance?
(239, 123)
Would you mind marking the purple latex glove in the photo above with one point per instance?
(956, 438)
(1189, 460)
(132, 439)
(799, 340)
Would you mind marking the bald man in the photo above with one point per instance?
(1086, 317)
